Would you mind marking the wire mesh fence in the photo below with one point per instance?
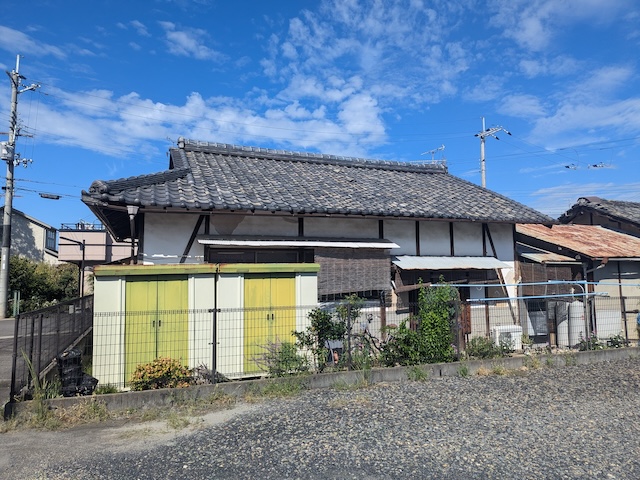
(40, 336)
(228, 344)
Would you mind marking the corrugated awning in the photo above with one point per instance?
(409, 262)
(549, 257)
(297, 242)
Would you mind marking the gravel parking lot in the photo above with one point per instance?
(557, 422)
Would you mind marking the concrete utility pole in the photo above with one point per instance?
(487, 132)
(8, 154)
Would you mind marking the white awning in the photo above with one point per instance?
(297, 242)
(409, 262)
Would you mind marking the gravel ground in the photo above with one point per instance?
(561, 422)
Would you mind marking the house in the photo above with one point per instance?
(603, 263)
(89, 244)
(237, 226)
(32, 238)
(614, 214)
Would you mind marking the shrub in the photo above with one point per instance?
(282, 359)
(431, 342)
(591, 342)
(322, 329)
(163, 372)
(483, 347)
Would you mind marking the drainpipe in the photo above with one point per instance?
(132, 210)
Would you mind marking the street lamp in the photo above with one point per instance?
(82, 245)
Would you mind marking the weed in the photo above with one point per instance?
(483, 371)
(417, 374)
(549, 362)
(570, 359)
(177, 421)
(498, 369)
(281, 388)
(343, 385)
(105, 389)
(91, 410)
(463, 370)
(282, 359)
(483, 347)
(532, 362)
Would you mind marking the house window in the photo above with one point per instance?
(50, 241)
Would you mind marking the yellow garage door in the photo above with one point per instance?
(156, 323)
(270, 315)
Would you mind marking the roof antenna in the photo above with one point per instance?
(433, 152)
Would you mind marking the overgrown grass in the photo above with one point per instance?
(416, 373)
(272, 388)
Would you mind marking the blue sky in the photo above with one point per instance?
(393, 80)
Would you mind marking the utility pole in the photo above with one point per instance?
(8, 155)
(487, 132)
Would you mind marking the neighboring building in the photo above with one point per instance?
(613, 214)
(230, 220)
(88, 245)
(608, 260)
(32, 238)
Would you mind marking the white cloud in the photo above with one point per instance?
(534, 24)
(189, 43)
(523, 106)
(15, 41)
(140, 28)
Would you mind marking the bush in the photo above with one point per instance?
(322, 329)
(432, 340)
(163, 372)
(282, 359)
(483, 347)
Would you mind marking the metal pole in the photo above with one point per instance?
(482, 162)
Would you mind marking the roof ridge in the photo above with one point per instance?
(103, 186)
(288, 155)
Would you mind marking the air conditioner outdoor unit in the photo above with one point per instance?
(510, 334)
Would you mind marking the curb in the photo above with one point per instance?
(169, 396)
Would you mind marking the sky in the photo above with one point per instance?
(406, 80)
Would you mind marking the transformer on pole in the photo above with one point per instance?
(8, 154)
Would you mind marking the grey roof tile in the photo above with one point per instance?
(614, 209)
(213, 176)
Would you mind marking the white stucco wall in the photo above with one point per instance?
(434, 239)
(403, 233)
(341, 227)
(166, 236)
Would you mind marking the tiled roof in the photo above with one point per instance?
(221, 177)
(615, 209)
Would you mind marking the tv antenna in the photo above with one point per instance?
(433, 152)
